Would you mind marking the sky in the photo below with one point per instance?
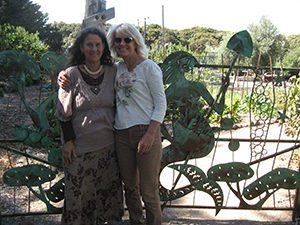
(227, 15)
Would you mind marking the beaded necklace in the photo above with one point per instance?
(92, 72)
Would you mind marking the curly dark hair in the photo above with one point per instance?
(76, 56)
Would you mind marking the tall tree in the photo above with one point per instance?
(52, 37)
(268, 43)
(68, 31)
(22, 13)
(292, 58)
(197, 39)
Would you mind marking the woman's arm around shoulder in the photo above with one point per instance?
(65, 96)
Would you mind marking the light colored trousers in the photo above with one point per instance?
(140, 174)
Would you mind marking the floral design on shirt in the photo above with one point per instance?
(125, 81)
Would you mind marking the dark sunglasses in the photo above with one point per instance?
(127, 40)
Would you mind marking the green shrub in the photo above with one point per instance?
(17, 38)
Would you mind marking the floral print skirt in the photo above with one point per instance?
(93, 190)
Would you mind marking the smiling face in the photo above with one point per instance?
(125, 45)
(92, 48)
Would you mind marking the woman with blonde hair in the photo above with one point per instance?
(141, 106)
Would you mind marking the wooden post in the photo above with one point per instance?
(96, 14)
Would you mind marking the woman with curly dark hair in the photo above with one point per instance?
(86, 110)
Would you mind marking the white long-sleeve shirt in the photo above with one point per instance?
(140, 95)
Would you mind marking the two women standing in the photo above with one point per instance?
(140, 109)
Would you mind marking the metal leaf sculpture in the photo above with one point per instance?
(200, 182)
(29, 135)
(189, 138)
(39, 115)
(21, 132)
(189, 141)
(192, 136)
(267, 184)
(271, 182)
(42, 108)
(55, 156)
(45, 130)
(56, 192)
(174, 68)
(18, 66)
(170, 195)
(233, 145)
(241, 43)
(230, 172)
(233, 172)
(52, 63)
(31, 176)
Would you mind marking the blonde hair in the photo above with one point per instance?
(131, 31)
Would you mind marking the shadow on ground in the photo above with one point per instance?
(51, 220)
(227, 217)
(226, 222)
(188, 218)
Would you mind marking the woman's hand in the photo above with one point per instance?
(145, 143)
(148, 139)
(63, 80)
(69, 152)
